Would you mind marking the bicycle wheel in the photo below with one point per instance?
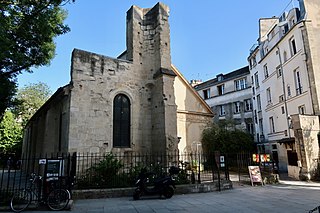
(20, 200)
(58, 199)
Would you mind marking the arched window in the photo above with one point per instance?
(121, 121)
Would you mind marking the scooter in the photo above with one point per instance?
(160, 186)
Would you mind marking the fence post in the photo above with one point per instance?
(226, 168)
(212, 165)
(238, 162)
(219, 184)
(199, 181)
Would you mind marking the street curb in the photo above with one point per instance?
(128, 192)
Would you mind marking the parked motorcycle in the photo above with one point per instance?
(147, 184)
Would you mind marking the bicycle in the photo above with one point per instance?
(57, 198)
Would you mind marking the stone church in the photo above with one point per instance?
(137, 102)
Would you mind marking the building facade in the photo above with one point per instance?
(285, 76)
(138, 102)
(230, 98)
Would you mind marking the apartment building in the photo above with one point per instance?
(285, 75)
(229, 96)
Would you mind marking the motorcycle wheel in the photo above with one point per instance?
(136, 195)
(168, 192)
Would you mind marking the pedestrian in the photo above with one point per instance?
(9, 163)
(18, 164)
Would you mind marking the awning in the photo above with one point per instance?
(286, 141)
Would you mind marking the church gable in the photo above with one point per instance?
(187, 99)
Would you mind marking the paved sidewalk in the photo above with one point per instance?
(289, 196)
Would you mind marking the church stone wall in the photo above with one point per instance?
(145, 77)
(47, 130)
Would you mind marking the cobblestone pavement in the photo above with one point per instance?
(289, 196)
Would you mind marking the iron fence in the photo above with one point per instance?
(121, 170)
(113, 170)
(15, 173)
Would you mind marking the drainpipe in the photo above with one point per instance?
(284, 93)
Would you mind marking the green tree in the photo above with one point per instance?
(10, 134)
(27, 32)
(224, 137)
(29, 99)
(7, 90)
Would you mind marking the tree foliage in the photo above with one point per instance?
(7, 90)
(10, 134)
(226, 139)
(27, 32)
(29, 99)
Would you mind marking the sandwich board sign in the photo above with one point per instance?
(255, 175)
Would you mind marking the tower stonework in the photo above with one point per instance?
(143, 73)
(148, 46)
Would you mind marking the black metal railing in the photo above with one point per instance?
(114, 170)
(120, 170)
(53, 167)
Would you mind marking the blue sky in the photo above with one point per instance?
(208, 37)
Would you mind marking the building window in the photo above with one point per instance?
(298, 82)
(293, 47)
(220, 89)
(261, 126)
(222, 111)
(255, 116)
(269, 101)
(302, 110)
(282, 110)
(258, 103)
(281, 98)
(292, 22)
(279, 72)
(289, 91)
(248, 105)
(220, 77)
(237, 107)
(249, 127)
(292, 157)
(256, 79)
(265, 69)
(240, 84)
(253, 61)
(271, 122)
(121, 121)
(206, 93)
